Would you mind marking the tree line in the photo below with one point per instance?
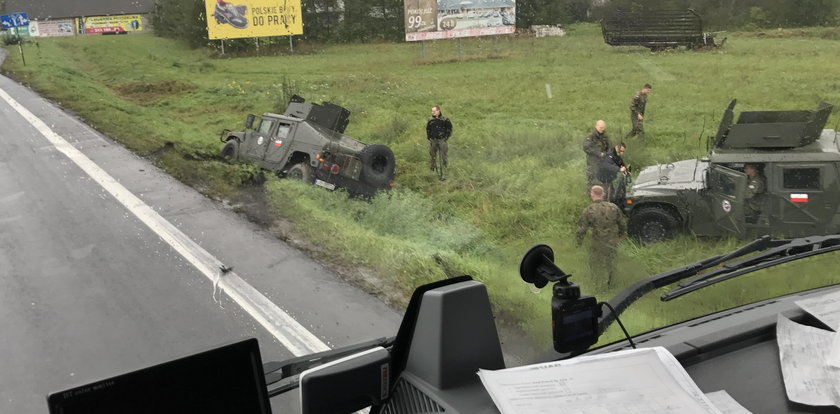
(382, 20)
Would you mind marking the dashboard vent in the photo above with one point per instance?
(407, 399)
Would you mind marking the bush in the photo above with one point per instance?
(11, 39)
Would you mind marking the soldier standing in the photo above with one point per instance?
(595, 146)
(637, 112)
(611, 166)
(755, 187)
(438, 131)
(608, 228)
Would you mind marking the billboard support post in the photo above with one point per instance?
(222, 41)
(423, 50)
(257, 40)
(291, 45)
(460, 48)
(20, 46)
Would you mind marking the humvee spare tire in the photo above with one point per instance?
(231, 150)
(300, 171)
(378, 164)
(652, 224)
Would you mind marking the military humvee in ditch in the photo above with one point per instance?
(797, 159)
(307, 142)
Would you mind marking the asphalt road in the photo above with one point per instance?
(91, 286)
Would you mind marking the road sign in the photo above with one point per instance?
(7, 21)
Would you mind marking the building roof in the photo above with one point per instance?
(56, 9)
(474, 4)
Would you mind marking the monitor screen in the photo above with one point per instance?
(226, 379)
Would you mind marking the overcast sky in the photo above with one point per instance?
(55, 9)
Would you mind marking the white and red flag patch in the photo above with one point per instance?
(799, 198)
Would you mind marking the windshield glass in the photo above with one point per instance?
(473, 149)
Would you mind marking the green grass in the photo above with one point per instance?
(516, 176)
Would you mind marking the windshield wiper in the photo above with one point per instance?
(773, 252)
(780, 251)
(635, 291)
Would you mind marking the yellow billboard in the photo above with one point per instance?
(253, 18)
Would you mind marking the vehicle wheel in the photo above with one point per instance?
(378, 165)
(231, 150)
(652, 224)
(301, 171)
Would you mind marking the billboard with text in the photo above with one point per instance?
(253, 18)
(443, 19)
(51, 28)
(110, 24)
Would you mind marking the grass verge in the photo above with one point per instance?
(520, 106)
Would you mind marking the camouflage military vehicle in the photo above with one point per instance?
(798, 160)
(307, 142)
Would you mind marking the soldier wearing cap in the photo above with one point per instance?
(637, 111)
(608, 228)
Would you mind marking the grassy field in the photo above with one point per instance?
(516, 176)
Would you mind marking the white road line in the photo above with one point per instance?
(289, 332)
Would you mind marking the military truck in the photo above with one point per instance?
(656, 29)
(307, 142)
(798, 160)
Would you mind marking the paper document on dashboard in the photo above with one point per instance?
(648, 380)
(834, 354)
(826, 308)
(725, 403)
(803, 350)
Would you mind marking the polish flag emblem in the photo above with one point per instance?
(799, 198)
(278, 143)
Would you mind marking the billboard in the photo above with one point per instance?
(253, 18)
(109, 24)
(51, 28)
(442, 19)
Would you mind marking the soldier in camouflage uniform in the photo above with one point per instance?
(608, 228)
(613, 171)
(596, 145)
(755, 187)
(637, 112)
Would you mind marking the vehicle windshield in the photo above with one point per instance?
(143, 221)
